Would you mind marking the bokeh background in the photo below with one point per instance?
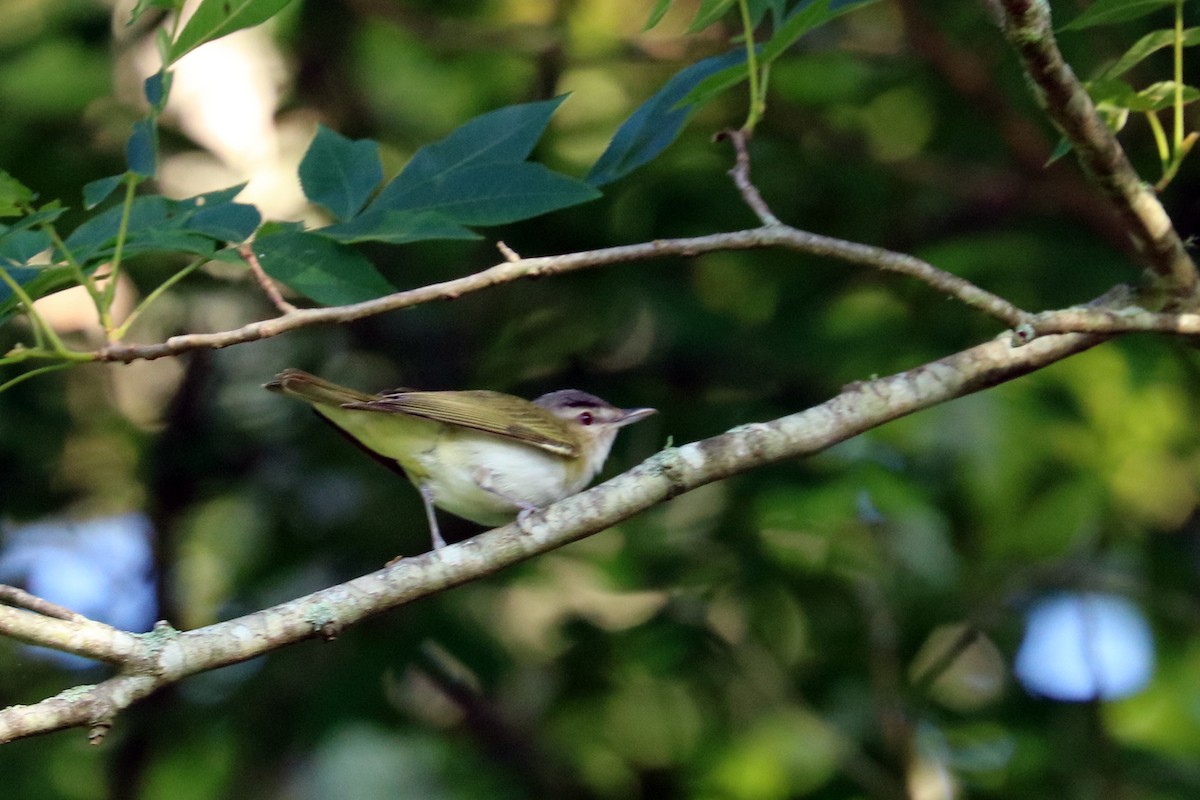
(994, 598)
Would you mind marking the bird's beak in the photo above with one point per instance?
(632, 415)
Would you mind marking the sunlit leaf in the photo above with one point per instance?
(1158, 96)
(709, 12)
(14, 196)
(656, 14)
(1109, 12)
(216, 18)
(1150, 43)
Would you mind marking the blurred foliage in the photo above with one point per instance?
(762, 638)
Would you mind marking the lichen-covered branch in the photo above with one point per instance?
(167, 656)
(1026, 23)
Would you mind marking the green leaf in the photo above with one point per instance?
(1115, 95)
(95, 237)
(1158, 96)
(715, 84)
(143, 6)
(47, 213)
(36, 283)
(709, 12)
(504, 136)
(97, 191)
(801, 21)
(759, 8)
(319, 268)
(804, 19)
(226, 222)
(1150, 43)
(18, 248)
(340, 174)
(496, 194)
(15, 196)
(169, 240)
(1110, 12)
(656, 14)
(216, 18)
(197, 225)
(657, 122)
(397, 227)
(213, 198)
(158, 89)
(141, 152)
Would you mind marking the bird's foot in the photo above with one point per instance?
(526, 517)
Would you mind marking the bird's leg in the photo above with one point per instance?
(434, 532)
(482, 478)
(523, 517)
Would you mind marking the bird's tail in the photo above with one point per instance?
(315, 390)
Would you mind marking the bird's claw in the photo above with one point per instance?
(524, 516)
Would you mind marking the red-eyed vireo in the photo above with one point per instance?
(484, 456)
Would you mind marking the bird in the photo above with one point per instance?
(485, 456)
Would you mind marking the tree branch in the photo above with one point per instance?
(79, 635)
(1026, 23)
(167, 656)
(514, 269)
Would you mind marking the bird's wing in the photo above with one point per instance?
(503, 415)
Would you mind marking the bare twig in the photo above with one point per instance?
(1125, 320)
(741, 178)
(509, 271)
(1026, 23)
(79, 635)
(264, 280)
(14, 596)
(509, 254)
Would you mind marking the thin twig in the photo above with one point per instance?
(509, 254)
(741, 178)
(79, 635)
(1124, 320)
(15, 596)
(509, 271)
(264, 280)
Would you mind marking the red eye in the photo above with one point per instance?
(585, 418)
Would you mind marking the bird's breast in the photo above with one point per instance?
(488, 480)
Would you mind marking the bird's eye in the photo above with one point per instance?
(586, 418)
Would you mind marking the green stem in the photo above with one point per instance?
(42, 332)
(756, 96)
(1160, 139)
(1172, 169)
(1178, 141)
(158, 292)
(114, 272)
(82, 278)
(33, 373)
